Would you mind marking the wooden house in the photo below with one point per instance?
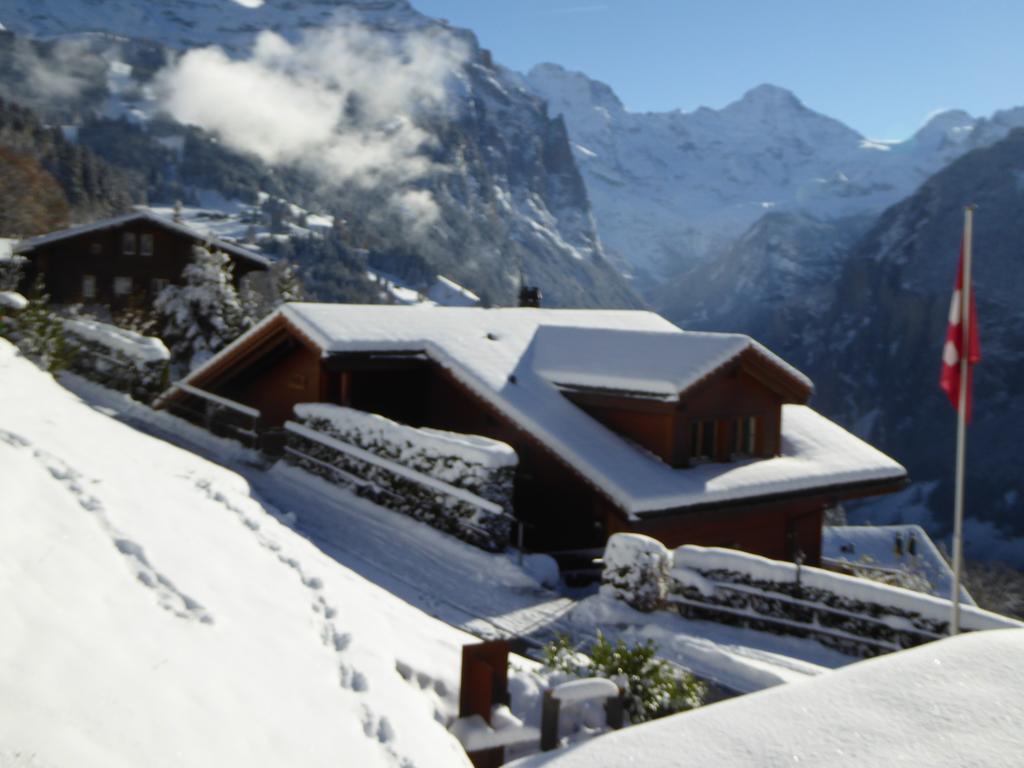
(622, 422)
(122, 261)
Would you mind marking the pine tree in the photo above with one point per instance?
(204, 315)
(39, 332)
(263, 292)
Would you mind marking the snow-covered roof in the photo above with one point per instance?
(658, 363)
(954, 702)
(493, 353)
(144, 215)
(448, 293)
(886, 549)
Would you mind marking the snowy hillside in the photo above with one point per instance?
(157, 614)
(948, 704)
(669, 189)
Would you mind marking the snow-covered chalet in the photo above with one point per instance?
(621, 421)
(123, 261)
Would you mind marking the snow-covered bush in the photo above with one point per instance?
(652, 687)
(636, 570)
(205, 314)
(12, 304)
(117, 358)
(481, 465)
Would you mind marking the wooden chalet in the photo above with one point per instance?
(123, 261)
(622, 422)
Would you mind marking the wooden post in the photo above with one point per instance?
(484, 678)
(549, 721)
(614, 711)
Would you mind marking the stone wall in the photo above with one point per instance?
(480, 465)
(854, 616)
(384, 481)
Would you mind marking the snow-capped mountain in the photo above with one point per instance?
(672, 189)
(479, 161)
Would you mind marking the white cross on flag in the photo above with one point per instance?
(952, 350)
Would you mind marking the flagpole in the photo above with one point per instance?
(961, 422)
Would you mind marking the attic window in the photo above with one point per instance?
(702, 440)
(96, 248)
(744, 431)
(146, 244)
(128, 243)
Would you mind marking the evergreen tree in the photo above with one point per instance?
(263, 292)
(39, 332)
(653, 688)
(204, 315)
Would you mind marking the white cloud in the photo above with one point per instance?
(343, 102)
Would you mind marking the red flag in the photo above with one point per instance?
(952, 350)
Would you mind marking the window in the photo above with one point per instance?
(96, 248)
(122, 286)
(745, 436)
(128, 243)
(156, 286)
(702, 440)
(88, 286)
(146, 245)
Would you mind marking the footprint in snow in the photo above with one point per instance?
(169, 597)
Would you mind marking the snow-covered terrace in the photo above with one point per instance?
(495, 352)
(142, 214)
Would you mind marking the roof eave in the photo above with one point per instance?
(841, 491)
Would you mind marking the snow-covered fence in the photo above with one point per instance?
(117, 358)
(855, 616)
(480, 465)
(216, 414)
(389, 481)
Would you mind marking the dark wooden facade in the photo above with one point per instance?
(735, 413)
(562, 510)
(120, 266)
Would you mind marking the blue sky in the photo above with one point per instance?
(880, 67)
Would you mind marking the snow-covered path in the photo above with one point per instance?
(483, 593)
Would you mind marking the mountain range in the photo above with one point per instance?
(673, 189)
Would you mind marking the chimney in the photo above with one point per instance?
(529, 296)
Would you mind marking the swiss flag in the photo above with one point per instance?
(952, 350)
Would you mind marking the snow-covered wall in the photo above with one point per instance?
(460, 484)
(478, 464)
(117, 358)
(855, 616)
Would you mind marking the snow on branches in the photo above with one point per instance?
(200, 317)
